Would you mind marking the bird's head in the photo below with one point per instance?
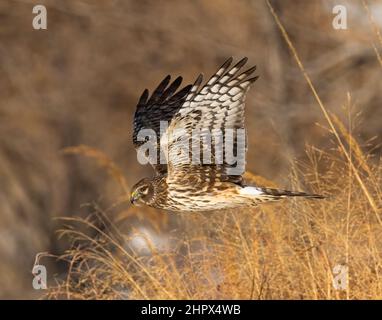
(142, 192)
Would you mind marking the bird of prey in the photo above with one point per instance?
(180, 185)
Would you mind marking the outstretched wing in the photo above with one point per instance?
(161, 106)
(210, 110)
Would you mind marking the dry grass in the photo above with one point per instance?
(279, 251)
(286, 250)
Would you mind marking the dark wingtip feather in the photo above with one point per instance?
(144, 97)
(163, 84)
(249, 71)
(159, 90)
(170, 90)
(180, 94)
(227, 63)
(198, 80)
(241, 63)
(195, 87)
(177, 81)
(253, 79)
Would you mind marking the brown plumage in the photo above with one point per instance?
(198, 185)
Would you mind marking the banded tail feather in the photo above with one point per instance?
(277, 193)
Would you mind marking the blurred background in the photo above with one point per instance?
(78, 83)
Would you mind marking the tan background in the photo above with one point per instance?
(78, 83)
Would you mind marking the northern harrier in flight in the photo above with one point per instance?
(183, 181)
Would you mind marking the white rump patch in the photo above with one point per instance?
(251, 191)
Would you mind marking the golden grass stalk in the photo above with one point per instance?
(325, 113)
(376, 31)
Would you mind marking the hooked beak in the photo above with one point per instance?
(134, 197)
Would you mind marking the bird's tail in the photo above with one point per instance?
(275, 194)
(286, 193)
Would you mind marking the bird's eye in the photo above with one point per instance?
(145, 190)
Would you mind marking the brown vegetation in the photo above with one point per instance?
(313, 120)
